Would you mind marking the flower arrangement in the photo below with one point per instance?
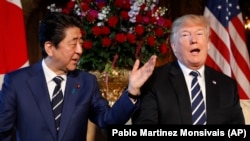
(117, 32)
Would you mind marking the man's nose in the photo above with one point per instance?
(79, 48)
(193, 39)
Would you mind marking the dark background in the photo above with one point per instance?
(34, 10)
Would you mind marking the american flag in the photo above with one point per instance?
(228, 52)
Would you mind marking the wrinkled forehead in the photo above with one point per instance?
(191, 23)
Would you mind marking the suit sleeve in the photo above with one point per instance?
(147, 112)
(7, 108)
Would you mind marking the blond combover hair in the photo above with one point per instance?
(190, 18)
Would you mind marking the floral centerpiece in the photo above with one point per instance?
(117, 32)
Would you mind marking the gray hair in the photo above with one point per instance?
(196, 19)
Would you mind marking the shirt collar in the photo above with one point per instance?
(49, 74)
(186, 70)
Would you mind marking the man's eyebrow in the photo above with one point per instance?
(74, 39)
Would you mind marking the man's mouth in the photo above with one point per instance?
(195, 50)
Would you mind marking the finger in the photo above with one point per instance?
(152, 60)
(151, 64)
(136, 65)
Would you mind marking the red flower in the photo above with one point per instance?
(126, 4)
(105, 30)
(100, 5)
(151, 41)
(85, 6)
(139, 19)
(120, 37)
(131, 38)
(167, 23)
(124, 15)
(118, 3)
(145, 20)
(106, 42)
(119, 31)
(112, 21)
(92, 16)
(139, 30)
(70, 5)
(87, 44)
(159, 32)
(96, 30)
(153, 20)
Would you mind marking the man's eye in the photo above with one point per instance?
(200, 33)
(184, 35)
(72, 45)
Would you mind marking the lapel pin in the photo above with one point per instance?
(214, 82)
(77, 86)
(73, 91)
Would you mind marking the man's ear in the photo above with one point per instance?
(173, 47)
(49, 46)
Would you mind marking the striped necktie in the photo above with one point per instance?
(57, 101)
(198, 104)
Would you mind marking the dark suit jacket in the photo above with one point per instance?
(165, 98)
(25, 105)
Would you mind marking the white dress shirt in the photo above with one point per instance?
(201, 79)
(49, 75)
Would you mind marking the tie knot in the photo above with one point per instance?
(58, 80)
(194, 73)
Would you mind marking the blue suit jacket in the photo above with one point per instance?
(26, 106)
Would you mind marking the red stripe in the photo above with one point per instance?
(241, 92)
(240, 29)
(242, 63)
(240, 60)
(219, 44)
(210, 62)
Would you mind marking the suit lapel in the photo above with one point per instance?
(40, 92)
(181, 89)
(212, 96)
(70, 96)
